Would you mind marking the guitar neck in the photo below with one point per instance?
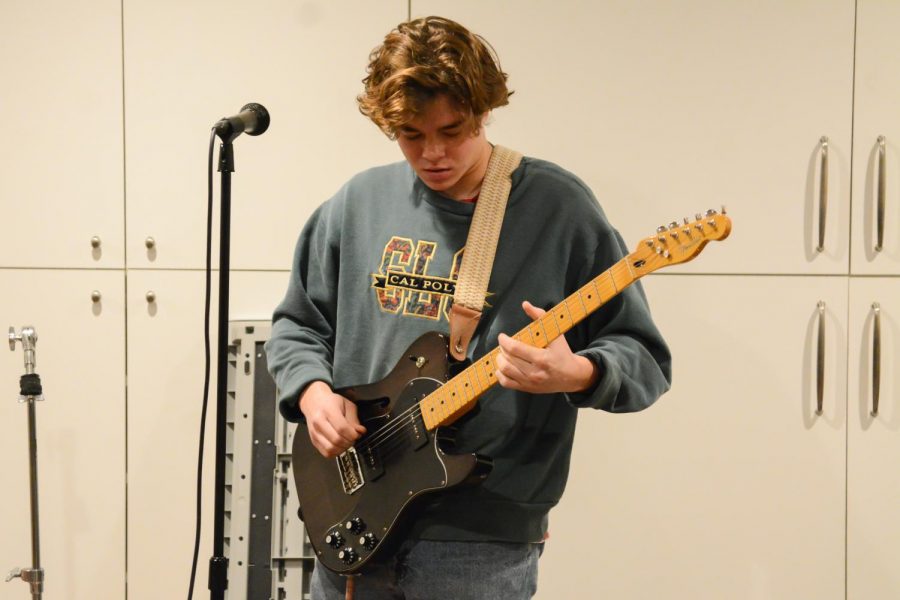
(459, 395)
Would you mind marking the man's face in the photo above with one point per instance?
(440, 147)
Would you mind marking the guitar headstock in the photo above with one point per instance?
(679, 243)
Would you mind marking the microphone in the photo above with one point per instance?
(252, 120)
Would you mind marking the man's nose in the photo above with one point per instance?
(434, 150)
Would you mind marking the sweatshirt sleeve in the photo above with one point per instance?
(634, 362)
(301, 347)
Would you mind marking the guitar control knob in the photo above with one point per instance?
(348, 556)
(368, 541)
(355, 525)
(334, 539)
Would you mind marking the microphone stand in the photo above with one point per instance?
(218, 563)
(30, 391)
(254, 120)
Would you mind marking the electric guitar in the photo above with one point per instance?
(353, 504)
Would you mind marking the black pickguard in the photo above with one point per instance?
(354, 506)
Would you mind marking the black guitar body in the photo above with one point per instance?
(355, 505)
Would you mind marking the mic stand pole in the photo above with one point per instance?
(30, 391)
(218, 564)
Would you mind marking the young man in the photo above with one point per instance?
(431, 86)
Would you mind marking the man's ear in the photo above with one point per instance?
(480, 122)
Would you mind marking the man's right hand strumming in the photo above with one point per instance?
(331, 419)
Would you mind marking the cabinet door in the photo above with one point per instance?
(188, 64)
(875, 116)
(669, 108)
(165, 375)
(61, 156)
(80, 357)
(730, 486)
(873, 486)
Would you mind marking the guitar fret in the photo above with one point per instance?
(530, 333)
(479, 387)
(580, 295)
(564, 313)
(454, 389)
(552, 317)
(545, 341)
(490, 365)
(468, 384)
(612, 281)
(630, 270)
(579, 307)
(558, 317)
(572, 315)
(447, 402)
(597, 293)
(439, 403)
(484, 382)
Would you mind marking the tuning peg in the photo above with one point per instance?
(724, 212)
(661, 229)
(686, 221)
(673, 225)
(711, 213)
(698, 217)
(649, 243)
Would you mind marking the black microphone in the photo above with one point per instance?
(252, 120)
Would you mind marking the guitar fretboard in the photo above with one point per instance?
(459, 395)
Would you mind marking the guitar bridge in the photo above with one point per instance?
(350, 471)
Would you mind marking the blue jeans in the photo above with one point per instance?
(427, 570)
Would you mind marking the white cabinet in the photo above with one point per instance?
(303, 61)
(731, 486)
(877, 97)
(62, 150)
(165, 377)
(80, 434)
(165, 374)
(873, 485)
(669, 108)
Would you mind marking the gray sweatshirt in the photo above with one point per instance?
(356, 300)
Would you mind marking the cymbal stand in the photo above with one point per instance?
(30, 392)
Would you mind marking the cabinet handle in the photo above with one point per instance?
(823, 193)
(820, 360)
(879, 245)
(876, 359)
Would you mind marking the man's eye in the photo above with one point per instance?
(410, 135)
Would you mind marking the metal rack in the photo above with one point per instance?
(268, 552)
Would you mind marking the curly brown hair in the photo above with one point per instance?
(423, 58)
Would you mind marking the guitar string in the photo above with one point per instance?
(406, 419)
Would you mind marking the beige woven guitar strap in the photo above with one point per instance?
(481, 246)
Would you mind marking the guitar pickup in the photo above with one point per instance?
(418, 434)
(351, 474)
(371, 463)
